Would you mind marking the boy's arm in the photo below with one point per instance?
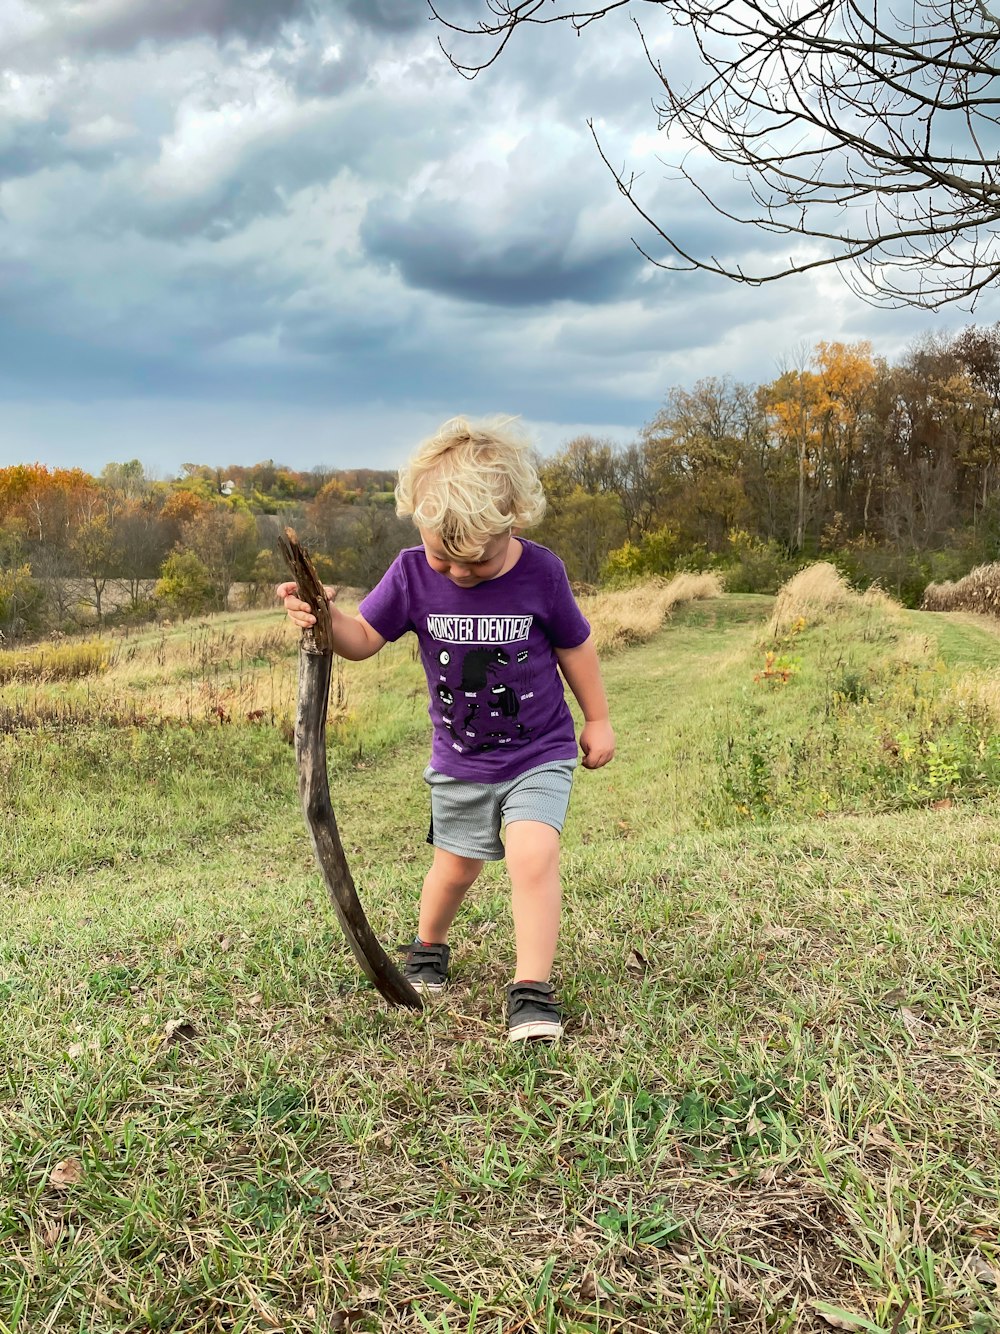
(353, 637)
(582, 670)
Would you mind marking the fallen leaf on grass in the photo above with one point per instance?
(781, 933)
(878, 1136)
(341, 1321)
(68, 1172)
(984, 1272)
(837, 1318)
(912, 1021)
(636, 963)
(587, 1291)
(178, 1030)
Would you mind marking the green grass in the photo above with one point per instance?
(777, 1107)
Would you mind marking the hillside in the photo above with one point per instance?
(777, 1105)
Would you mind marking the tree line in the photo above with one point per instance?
(77, 549)
(892, 471)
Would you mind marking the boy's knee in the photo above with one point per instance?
(455, 872)
(532, 849)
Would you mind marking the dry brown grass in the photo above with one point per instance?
(633, 615)
(979, 591)
(816, 593)
(978, 695)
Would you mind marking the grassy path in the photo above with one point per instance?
(963, 637)
(777, 1108)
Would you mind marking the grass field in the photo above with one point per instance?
(778, 1104)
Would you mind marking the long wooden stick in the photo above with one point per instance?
(315, 669)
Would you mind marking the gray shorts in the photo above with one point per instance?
(466, 817)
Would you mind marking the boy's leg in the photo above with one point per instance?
(536, 896)
(445, 886)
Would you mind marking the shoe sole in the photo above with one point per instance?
(429, 988)
(541, 1031)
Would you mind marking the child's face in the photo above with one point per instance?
(464, 573)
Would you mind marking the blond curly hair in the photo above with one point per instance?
(469, 483)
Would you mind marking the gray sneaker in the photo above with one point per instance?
(532, 1012)
(426, 966)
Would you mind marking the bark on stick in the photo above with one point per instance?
(315, 668)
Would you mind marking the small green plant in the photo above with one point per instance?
(268, 1204)
(658, 1227)
(748, 772)
(851, 687)
(776, 671)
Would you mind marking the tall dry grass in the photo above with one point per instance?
(979, 695)
(979, 591)
(56, 662)
(633, 615)
(817, 592)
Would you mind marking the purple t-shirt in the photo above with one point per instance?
(496, 696)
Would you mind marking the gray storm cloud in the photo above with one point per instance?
(434, 252)
(288, 201)
(120, 27)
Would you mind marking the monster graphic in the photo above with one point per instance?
(492, 707)
(447, 698)
(477, 664)
(481, 688)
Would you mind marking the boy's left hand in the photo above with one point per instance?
(597, 741)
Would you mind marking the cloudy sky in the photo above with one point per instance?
(233, 230)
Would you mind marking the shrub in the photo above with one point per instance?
(657, 553)
(185, 586)
(903, 574)
(755, 565)
(22, 602)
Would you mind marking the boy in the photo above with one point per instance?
(496, 622)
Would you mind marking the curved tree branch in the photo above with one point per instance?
(315, 666)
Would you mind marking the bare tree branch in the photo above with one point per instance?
(871, 132)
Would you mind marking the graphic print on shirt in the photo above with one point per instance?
(481, 687)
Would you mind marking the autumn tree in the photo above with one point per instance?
(583, 526)
(373, 540)
(848, 375)
(143, 542)
(697, 446)
(225, 544)
(127, 480)
(96, 554)
(818, 413)
(328, 518)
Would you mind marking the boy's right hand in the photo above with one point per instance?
(298, 611)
